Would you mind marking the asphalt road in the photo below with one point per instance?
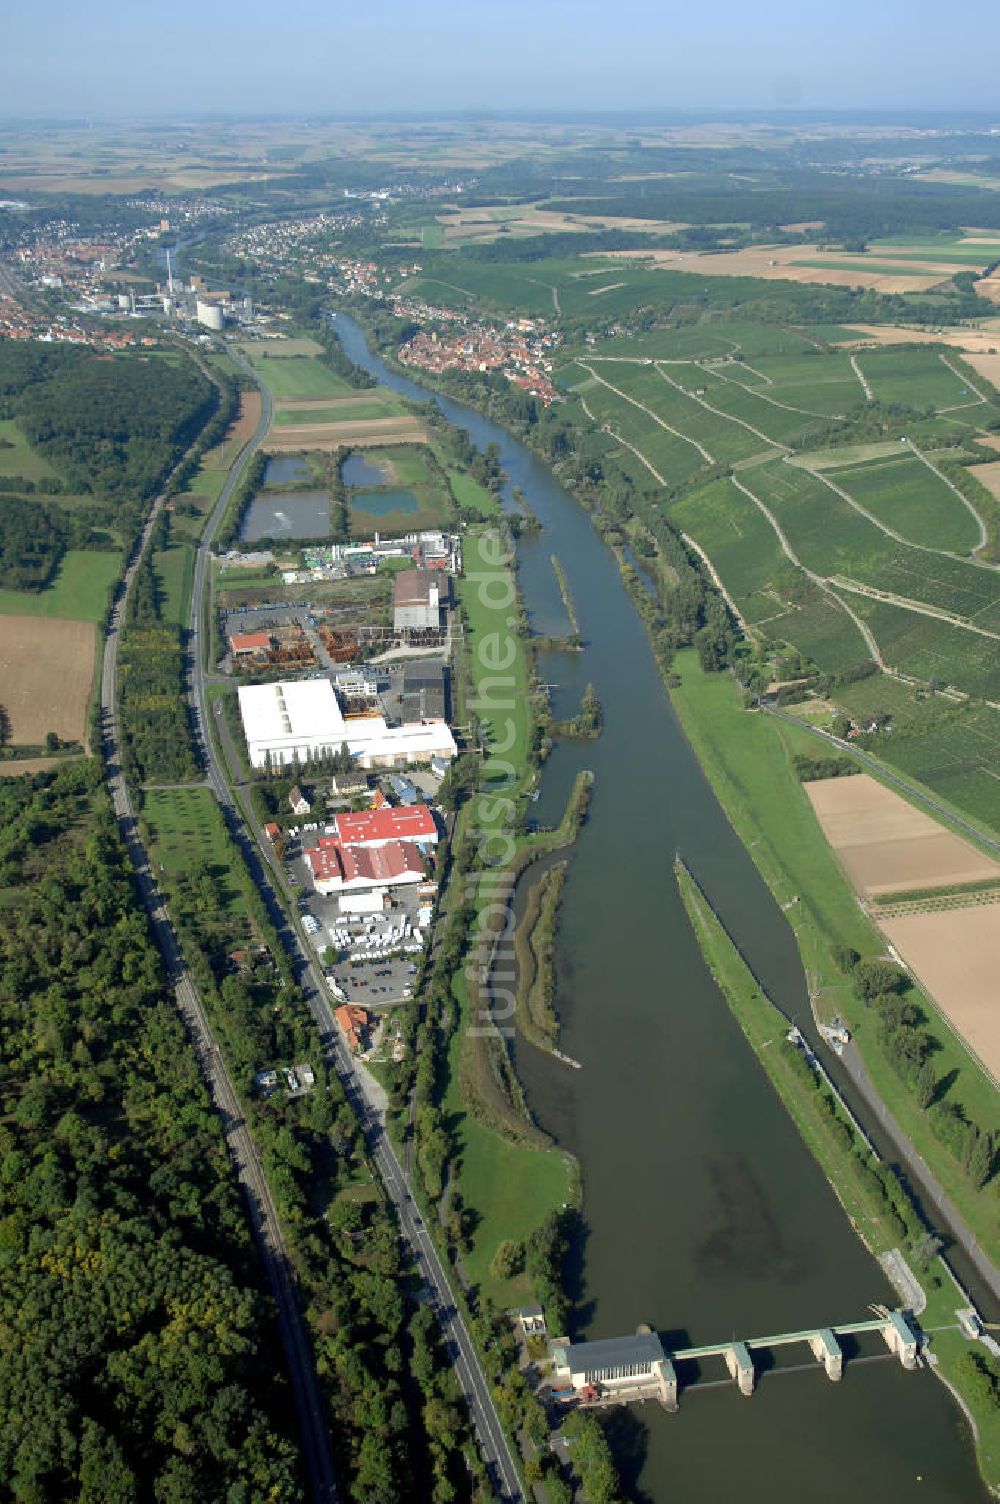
(265, 1223)
(260, 859)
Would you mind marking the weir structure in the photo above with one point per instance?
(625, 1368)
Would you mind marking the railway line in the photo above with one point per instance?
(265, 1222)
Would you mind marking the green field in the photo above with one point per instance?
(187, 832)
(79, 592)
(909, 497)
(337, 413)
(21, 459)
(930, 649)
(473, 497)
(916, 377)
(830, 537)
(297, 375)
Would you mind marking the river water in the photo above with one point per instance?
(704, 1214)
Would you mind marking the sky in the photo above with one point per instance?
(246, 57)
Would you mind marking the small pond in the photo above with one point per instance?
(357, 471)
(287, 514)
(287, 470)
(378, 503)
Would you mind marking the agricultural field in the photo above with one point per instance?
(930, 649)
(288, 370)
(951, 747)
(46, 677)
(741, 544)
(835, 540)
(886, 845)
(820, 384)
(339, 419)
(955, 955)
(909, 497)
(916, 378)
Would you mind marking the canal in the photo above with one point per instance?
(704, 1215)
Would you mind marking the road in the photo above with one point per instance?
(265, 870)
(265, 1223)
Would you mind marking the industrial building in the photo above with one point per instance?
(614, 1362)
(418, 596)
(298, 720)
(338, 868)
(376, 827)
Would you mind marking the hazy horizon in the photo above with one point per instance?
(113, 59)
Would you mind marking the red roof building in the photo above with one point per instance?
(354, 1023)
(272, 831)
(249, 643)
(336, 867)
(374, 827)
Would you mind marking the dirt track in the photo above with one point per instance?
(46, 676)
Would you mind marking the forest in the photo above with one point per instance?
(111, 426)
(139, 1359)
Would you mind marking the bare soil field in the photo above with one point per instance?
(886, 845)
(988, 475)
(486, 222)
(955, 955)
(46, 675)
(237, 434)
(980, 346)
(15, 769)
(779, 263)
(329, 436)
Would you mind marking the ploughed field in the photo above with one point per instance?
(950, 942)
(46, 675)
(889, 846)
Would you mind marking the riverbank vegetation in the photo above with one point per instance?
(534, 944)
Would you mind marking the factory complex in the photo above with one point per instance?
(299, 720)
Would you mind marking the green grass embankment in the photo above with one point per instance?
(749, 763)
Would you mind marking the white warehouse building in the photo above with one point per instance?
(301, 719)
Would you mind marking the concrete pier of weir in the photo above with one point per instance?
(622, 1369)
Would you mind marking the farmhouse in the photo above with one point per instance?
(297, 720)
(418, 595)
(337, 868)
(300, 804)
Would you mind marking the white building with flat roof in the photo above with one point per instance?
(301, 719)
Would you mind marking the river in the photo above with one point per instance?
(704, 1214)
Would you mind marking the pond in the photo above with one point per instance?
(378, 503)
(357, 471)
(287, 514)
(287, 470)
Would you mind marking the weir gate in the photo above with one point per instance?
(639, 1367)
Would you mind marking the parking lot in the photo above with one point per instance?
(376, 954)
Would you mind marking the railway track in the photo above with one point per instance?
(265, 1222)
